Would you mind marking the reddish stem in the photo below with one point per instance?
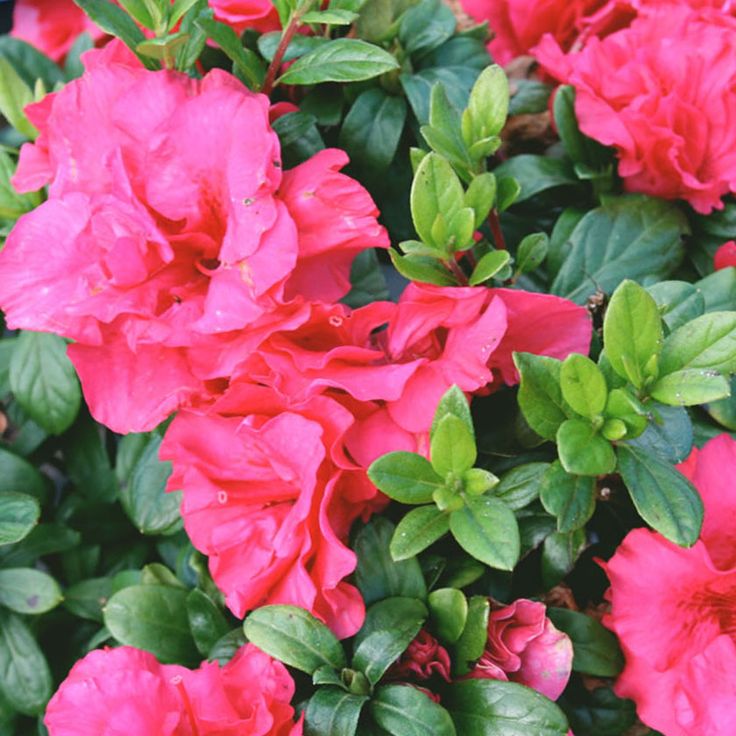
(495, 224)
(278, 57)
(457, 272)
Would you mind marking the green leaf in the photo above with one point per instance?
(623, 405)
(226, 647)
(664, 498)
(583, 385)
(477, 481)
(472, 642)
(15, 94)
(571, 498)
(44, 539)
(596, 649)
(678, 302)
(390, 627)
(632, 236)
(152, 618)
(579, 147)
(420, 528)
(691, 387)
(425, 26)
(495, 708)
(529, 97)
(149, 507)
(719, 289)
(452, 447)
(26, 681)
(342, 60)
(12, 204)
(333, 711)
(536, 174)
(707, 343)
(531, 252)
(299, 137)
(372, 129)
(454, 403)
(140, 10)
(423, 269)
(376, 574)
(113, 20)
(295, 637)
(268, 43)
(163, 48)
(28, 591)
(449, 611)
(582, 451)
(29, 63)
(488, 266)
(154, 573)
(488, 105)
(88, 598)
(367, 280)
(559, 553)
(206, 621)
(487, 529)
(73, 67)
(330, 17)
(601, 713)
(178, 9)
(632, 333)
(519, 486)
(540, 395)
(480, 196)
(19, 513)
(43, 381)
(402, 709)
(405, 476)
(246, 62)
(17, 474)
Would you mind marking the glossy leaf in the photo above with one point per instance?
(571, 498)
(405, 710)
(582, 451)
(419, 529)
(540, 394)
(449, 610)
(583, 385)
(28, 591)
(405, 476)
(19, 513)
(333, 711)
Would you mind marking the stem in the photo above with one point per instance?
(495, 224)
(278, 57)
(457, 272)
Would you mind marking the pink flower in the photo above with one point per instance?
(725, 255)
(51, 26)
(112, 692)
(518, 25)
(524, 646)
(674, 610)
(423, 658)
(270, 495)
(176, 250)
(259, 15)
(662, 93)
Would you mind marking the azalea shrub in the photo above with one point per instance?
(367, 368)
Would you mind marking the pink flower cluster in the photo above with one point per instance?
(127, 691)
(674, 610)
(195, 275)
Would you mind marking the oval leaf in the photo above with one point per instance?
(402, 709)
(405, 476)
(28, 591)
(417, 530)
(19, 513)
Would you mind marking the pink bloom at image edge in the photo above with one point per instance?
(725, 256)
(674, 610)
(127, 691)
(662, 93)
(524, 646)
(51, 26)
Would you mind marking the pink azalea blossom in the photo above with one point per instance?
(662, 93)
(674, 610)
(176, 251)
(113, 692)
(260, 15)
(725, 255)
(270, 495)
(524, 646)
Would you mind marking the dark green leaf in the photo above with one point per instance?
(226, 647)
(495, 708)
(632, 333)
(299, 137)
(425, 26)
(678, 302)
(25, 681)
(376, 574)
(44, 539)
(144, 499)
(601, 713)
(330, 17)
(371, 130)
(520, 486)
(420, 528)
(582, 451)
(406, 477)
(596, 649)
(342, 60)
(583, 385)
(719, 289)
(367, 280)
(298, 46)
(206, 621)
(43, 381)
(19, 513)
(390, 612)
(529, 97)
(488, 266)
(152, 618)
(28, 591)
(402, 709)
(113, 20)
(531, 252)
(571, 498)
(88, 598)
(540, 395)
(472, 642)
(295, 637)
(487, 529)
(537, 174)
(449, 610)
(334, 712)
(29, 63)
(559, 552)
(664, 498)
(579, 147)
